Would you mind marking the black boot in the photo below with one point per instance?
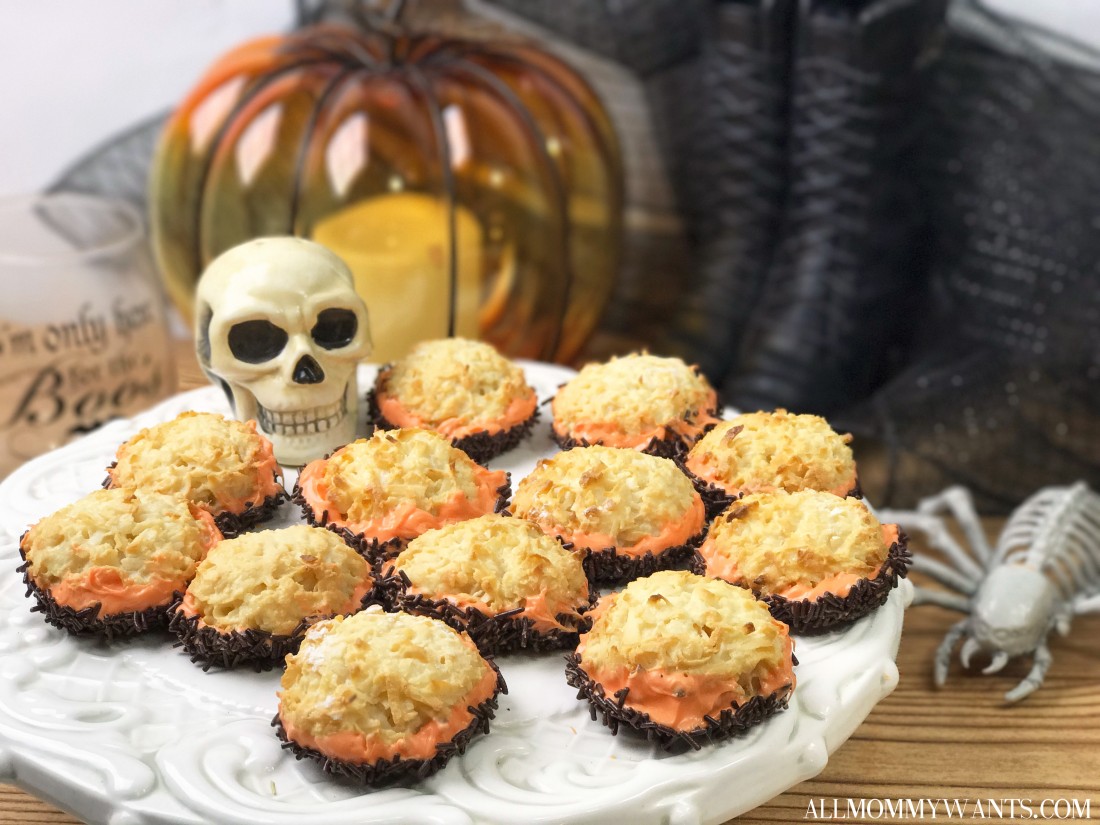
(836, 305)
(724, 118)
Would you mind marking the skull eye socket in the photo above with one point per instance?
(256, 341)
(335, 328)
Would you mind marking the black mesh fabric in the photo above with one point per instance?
(117, 169)
(1003, 393)
(1001, 424)
(644, 35)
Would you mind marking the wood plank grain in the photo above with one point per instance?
(19, 808)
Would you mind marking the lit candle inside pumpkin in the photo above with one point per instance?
(398, 247)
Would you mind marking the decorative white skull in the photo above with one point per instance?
(280, 327)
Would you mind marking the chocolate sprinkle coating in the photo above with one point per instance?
(716, 499)
(210, 647)
(493, 634)
(731, 722)
(232, 525)
(372, 549)
(87, 622)
(609, 567)
(388, 771)
(481, 446)
(672, 445)
(810, 617)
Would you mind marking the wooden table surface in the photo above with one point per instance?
(960, 742)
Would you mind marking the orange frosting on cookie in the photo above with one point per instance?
(107, 587)
(682, 700)
(518, 411)
(712, 475)
(268, 472)
(115, 594)
(352, 746)
(839, 584)
(406, 521)
(673, 534)
(190, 609)
(264, 468)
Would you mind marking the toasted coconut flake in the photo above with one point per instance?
(232, 524)
(209, 647)
(716, 499)
(481, 446)
(372, 549)
(813, 616)
(389, 771)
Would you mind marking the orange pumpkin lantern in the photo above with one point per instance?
(474, 188)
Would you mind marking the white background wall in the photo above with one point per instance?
(73, 73)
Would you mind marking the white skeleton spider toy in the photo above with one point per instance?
(1044, 570)
(279, 326)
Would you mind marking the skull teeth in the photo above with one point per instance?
(303, 422)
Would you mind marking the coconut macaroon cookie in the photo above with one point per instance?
(502, 580)
(380, 697)
(657, 405)
(819, 561)
(464, 390)
(379, 493)
(254, 596)
(634, 513)
(111, 562)
(764, 451)
(220, 464)
(683, 658)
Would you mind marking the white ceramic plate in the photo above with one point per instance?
(132, 733)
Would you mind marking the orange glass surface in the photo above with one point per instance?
(474, 188)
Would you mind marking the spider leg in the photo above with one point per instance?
(1063, 617)
(945, 575)
(970, 647)
(943, 652)
(938, 537)
(923, 595)
(961, 504)
(1087, 604)
(1034, 679)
